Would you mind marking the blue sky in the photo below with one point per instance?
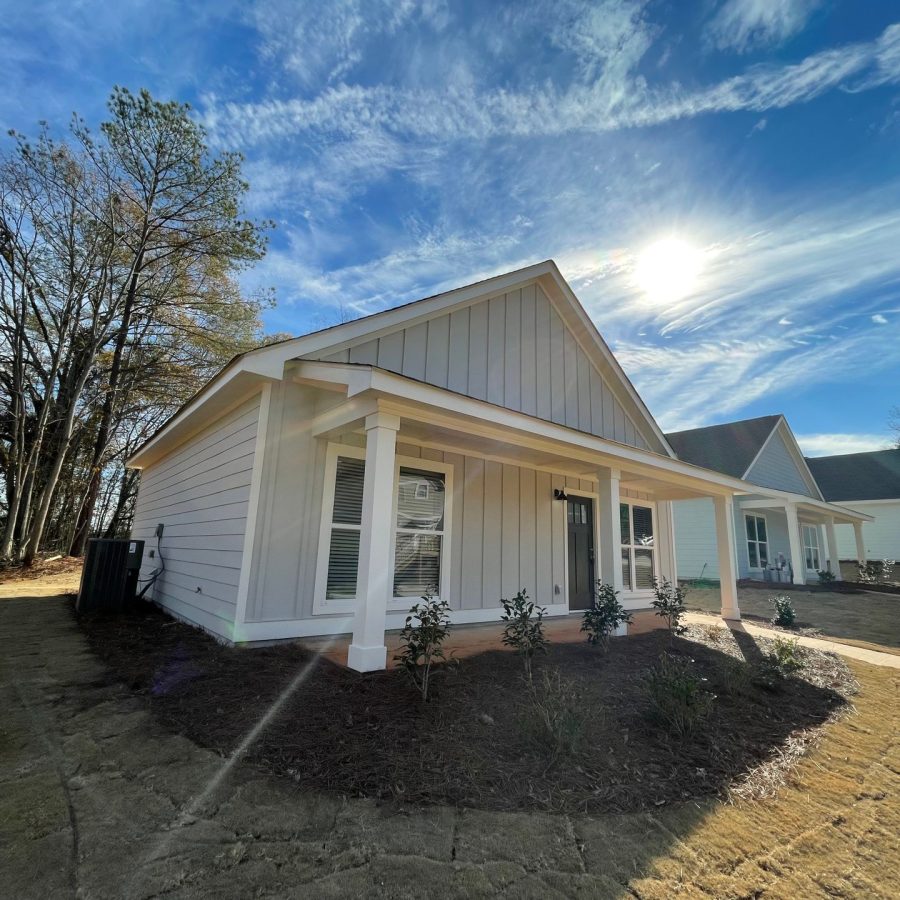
(407, 147)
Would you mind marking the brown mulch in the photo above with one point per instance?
(474, 744)
(41, 568)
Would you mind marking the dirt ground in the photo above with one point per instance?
(98, 800)
(43, 579)
(867, 617)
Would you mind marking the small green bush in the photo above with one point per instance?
(826, 577)
(524, 629)
(669, 604)
(784, 659)
(785, 615)
(605, 615)
(675, 694)
(427, 627)
(555, 714)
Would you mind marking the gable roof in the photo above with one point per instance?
(858, 476)
(730, 448)
(735, 448)
(269, 361)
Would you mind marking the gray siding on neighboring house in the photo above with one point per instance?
(200, 493)
(695, 539)
(506, 533)
(513, 350)
(777, 468)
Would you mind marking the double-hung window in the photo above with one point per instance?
(638, 546)
(419, 531)
(757, 541)
(421, 511)
(811, 547)
(346, 516)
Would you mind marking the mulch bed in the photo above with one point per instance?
(475, 743)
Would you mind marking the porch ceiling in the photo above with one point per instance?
(810, 511)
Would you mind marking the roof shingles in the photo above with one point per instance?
(728, 448)
(858, 476)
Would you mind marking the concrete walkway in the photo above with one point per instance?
(873, 657)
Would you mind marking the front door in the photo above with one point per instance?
(581, 552)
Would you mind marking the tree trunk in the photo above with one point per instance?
(86, 513)
(39, 521)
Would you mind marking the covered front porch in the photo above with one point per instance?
(791, 539)
(543, 507)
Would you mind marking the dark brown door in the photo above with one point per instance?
(581, 552)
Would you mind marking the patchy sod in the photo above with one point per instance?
(476, 743)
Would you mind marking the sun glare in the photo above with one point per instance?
(667, 270)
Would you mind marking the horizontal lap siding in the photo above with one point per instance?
(200, 493)
(695, 539)
(777, 468)
(513, 350)
(881, 537)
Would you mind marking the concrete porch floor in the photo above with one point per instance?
(469, 640)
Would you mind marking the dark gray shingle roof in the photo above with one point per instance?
(858, 476)
(727, 448)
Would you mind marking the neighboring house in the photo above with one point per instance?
(869, 483)
(476, 442)
(784, 530)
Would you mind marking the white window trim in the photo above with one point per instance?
(321, 604)
(630, 502)
(747, 542)
(324, 606)
(424, 465)
(815, 546)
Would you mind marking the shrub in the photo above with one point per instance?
(887, 569)
(785, 615)
(867, 573)
(555, 714)
(524, 629)
(826, 577)
(676, 697)
(669, 604)
(736, 677)
(787, 656)
(605, 615)
(427, 627)
(784, 659)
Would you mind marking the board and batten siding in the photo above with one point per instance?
(513, 350)
(777, 468)
(506, 532)
(881, 537)
(200, 492)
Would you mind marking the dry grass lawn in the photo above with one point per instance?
(833, 831)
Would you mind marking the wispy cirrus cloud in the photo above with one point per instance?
(834, 444)
(743, 25)
(624, 102)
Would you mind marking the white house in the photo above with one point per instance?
(785, 529)
(478, 441)
(868, 483)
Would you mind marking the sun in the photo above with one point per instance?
(668, 270)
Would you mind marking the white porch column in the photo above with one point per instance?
(834, 558)
(798, 562)
(860, 543)
(367, 651)
(725, 545)
(610, 532)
